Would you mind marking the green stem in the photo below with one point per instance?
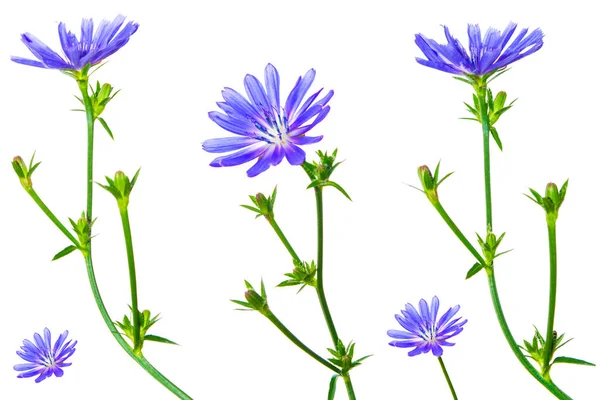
(88, 257)
(457, 232)
(320, 287)
(145, 364)
(271, 317)
(137, 344)
(549, 346)
(513, 344)
(447, 378)
(281, 236)
(52, 217)
(349, 388)
(485, 124)
(490, 270)
(89, 115)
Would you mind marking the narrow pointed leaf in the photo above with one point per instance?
(64, 252)
(571, 360)
(494, 133)
(338, 187)
(105, 125)
(154, 338)
(332, 385)
(474, 269)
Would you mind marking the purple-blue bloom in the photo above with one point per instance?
(90, 48)
(42, 358)
(423, 331)
(485, 55)
(267, 129)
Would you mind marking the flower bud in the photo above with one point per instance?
(552, 193)
(22, 172)
(257, 301)
(428, 183)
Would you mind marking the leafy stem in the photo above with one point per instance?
(82, 82)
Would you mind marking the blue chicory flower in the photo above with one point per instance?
(42, 358)
(267, 130)
(485, 56)
(423, 331)
(90, 48)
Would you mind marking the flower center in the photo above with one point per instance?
(275, 128)
(48, 359)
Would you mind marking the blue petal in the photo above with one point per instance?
(449, 314)
(294, 154)
(272, 84)
(256, 92)
(436, 349)
(70, 44)
(241, 105)
(302, 130)
(240, 127)
(25, 61)
(475, 46)
(302, 140)
(222, 145)
(400, 334)
(298, 93)
(240, 157)
(435, 306)
(44, 53)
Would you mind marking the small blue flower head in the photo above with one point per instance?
(267, 129)
(91, 48)
(42, 358)
(423, 331)
(485, 55)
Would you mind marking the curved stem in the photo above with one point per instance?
(283, 239)
(490, 270)
(137, 344)
(447, 378)
(145, 364)
(271, 317)
(549, 346)
(52, 217)
(513, 344)
(458, 233)
(320, 288)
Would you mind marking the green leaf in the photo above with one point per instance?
(338, 187)
(105, 125)
(496, 137)
(332, 384)
(64, 252)
(154, 338)
(571, 360)
(474, 269)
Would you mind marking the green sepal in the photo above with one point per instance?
(155, 338)
(342, 357)
(320, 172)
(105, 125)
(303, 274)
(67, 250)
(474, 269)
(571, 360)
(332, 386)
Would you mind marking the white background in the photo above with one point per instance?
(195, 245)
